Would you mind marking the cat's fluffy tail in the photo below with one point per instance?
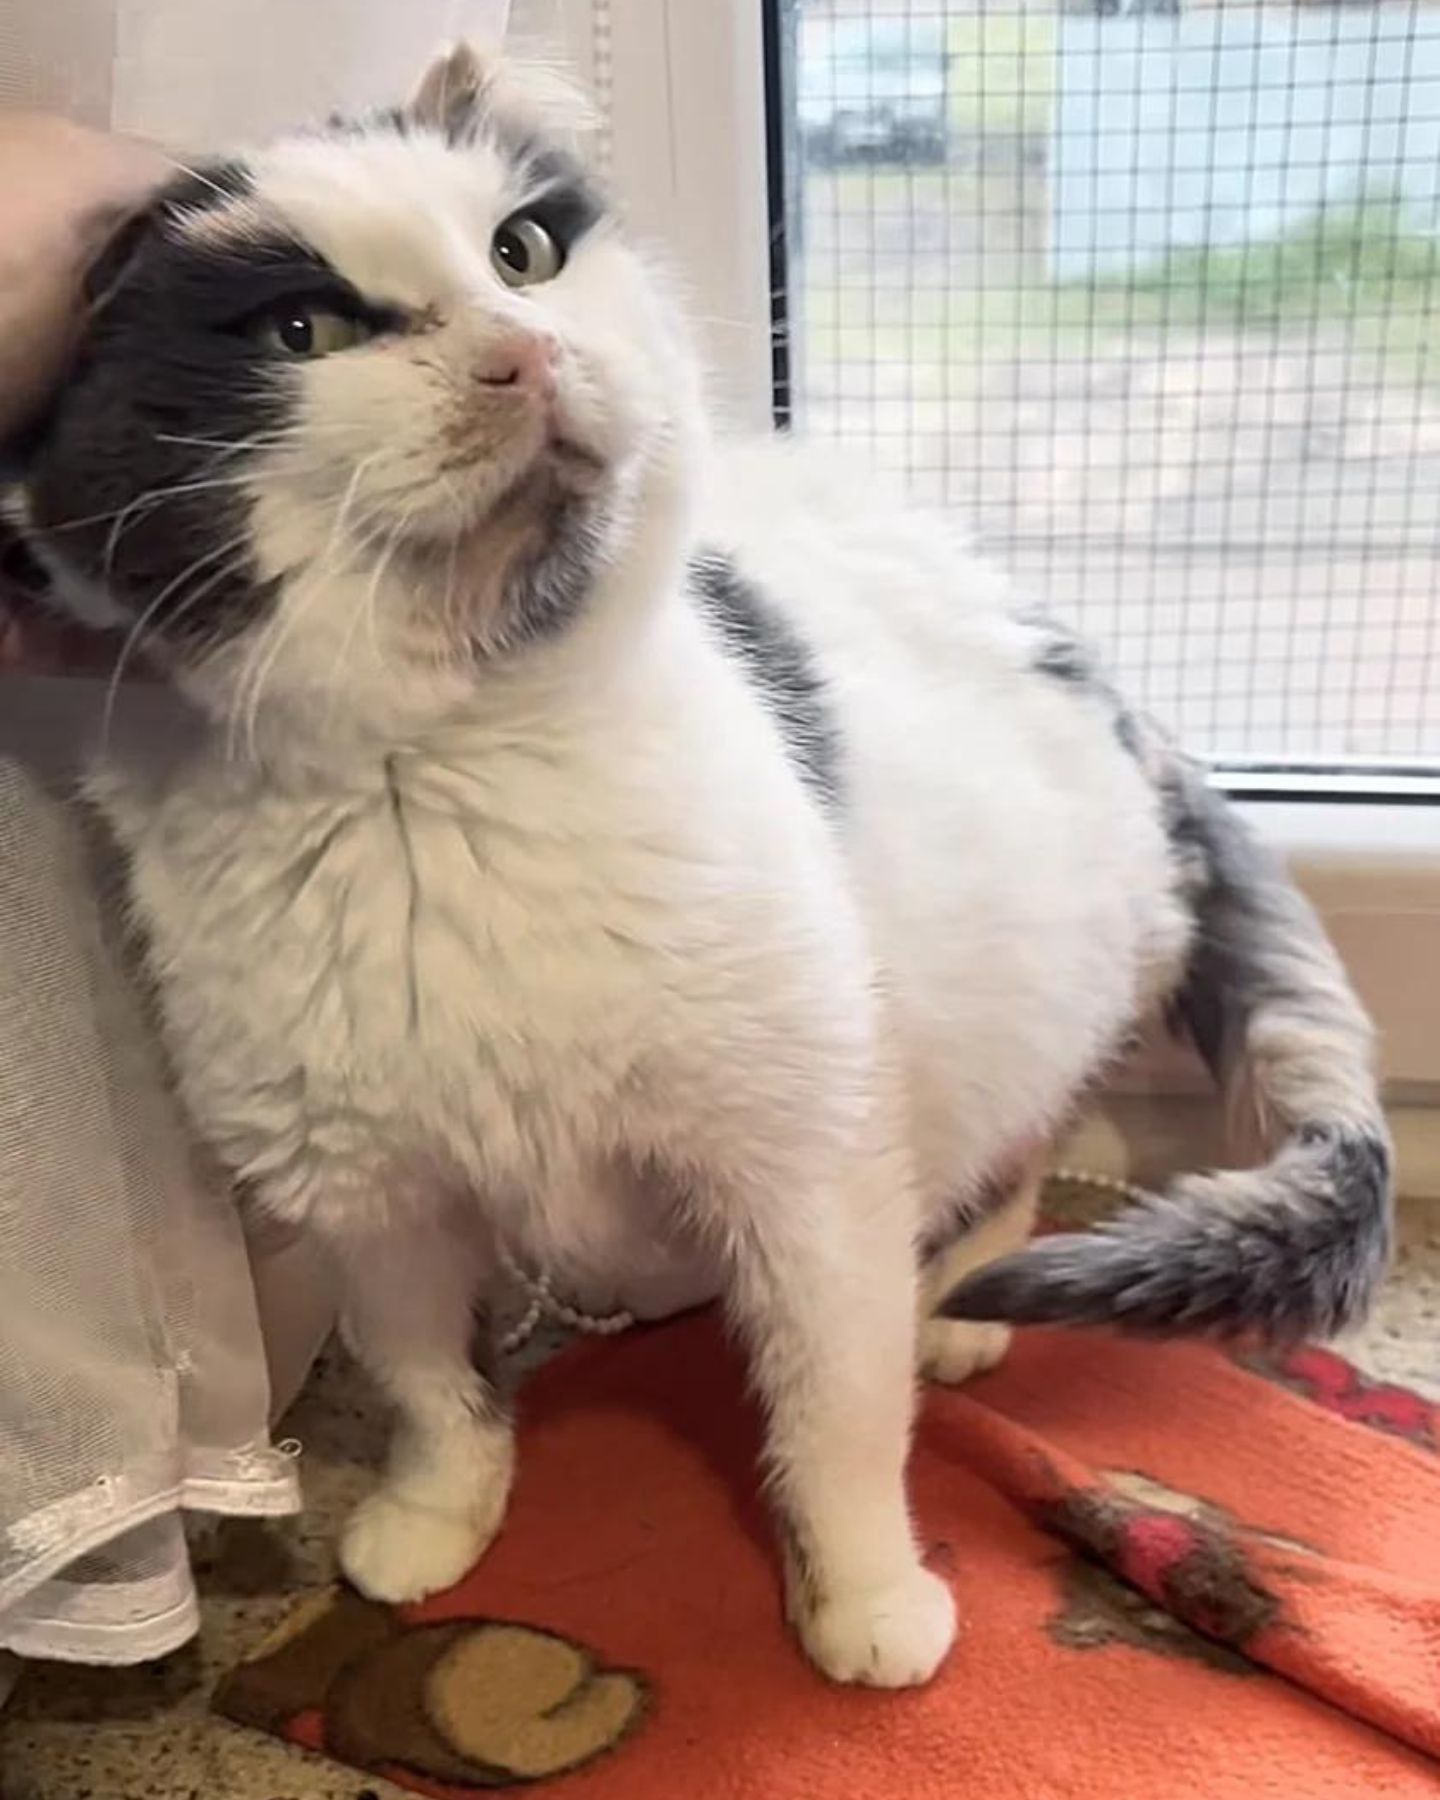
(1293, 1249)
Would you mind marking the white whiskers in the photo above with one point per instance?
(134, 636)
(260, 665)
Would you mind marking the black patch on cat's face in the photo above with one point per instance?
(778, 664)
(120, 490)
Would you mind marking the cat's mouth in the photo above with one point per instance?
(564, 474)
(559, 458)
(576, 464)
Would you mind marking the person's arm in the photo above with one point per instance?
(62, 188)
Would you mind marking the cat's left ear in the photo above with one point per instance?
(464, 87)
(451, 93)
(119, 240)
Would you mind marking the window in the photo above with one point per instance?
(1146, 292)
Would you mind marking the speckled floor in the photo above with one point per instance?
(145, 1734)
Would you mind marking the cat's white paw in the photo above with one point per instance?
(892, 1636)
(394, 1550)
(952, 1350)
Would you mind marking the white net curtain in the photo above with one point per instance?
(134, 1327)
(134, 1377)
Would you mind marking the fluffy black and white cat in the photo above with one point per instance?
(672, 865)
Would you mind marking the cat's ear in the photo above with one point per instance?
(464, 87)
(451, 93)
(118, 238)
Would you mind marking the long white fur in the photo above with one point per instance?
(559, 952)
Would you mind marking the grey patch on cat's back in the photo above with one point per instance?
(1062, 657)
(777, 663)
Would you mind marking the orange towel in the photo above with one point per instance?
(1177, 1578)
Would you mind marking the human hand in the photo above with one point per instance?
(62, 188)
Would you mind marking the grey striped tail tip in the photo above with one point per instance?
(1294, 1250)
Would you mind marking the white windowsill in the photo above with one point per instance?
(1349, 836)
(1374, 873)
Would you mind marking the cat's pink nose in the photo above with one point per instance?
(526, 360)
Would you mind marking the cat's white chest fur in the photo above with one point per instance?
(506, 968)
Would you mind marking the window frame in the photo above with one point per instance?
(680, 89)
(685, 78)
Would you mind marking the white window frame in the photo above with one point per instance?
(683, 86)
(680, 85)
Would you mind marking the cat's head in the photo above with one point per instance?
(362, 414)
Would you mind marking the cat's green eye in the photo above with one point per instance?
(303, 329)
(523, 252)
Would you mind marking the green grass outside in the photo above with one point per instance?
(1361, 268)
(1364, 267)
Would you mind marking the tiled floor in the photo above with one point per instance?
(145, 1734)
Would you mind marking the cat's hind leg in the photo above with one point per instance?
(952, 1350)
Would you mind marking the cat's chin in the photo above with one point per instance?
(562, 471)
(489, 581)
(575, 467)
(564, 480)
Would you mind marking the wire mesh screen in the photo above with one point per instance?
(1146, 290)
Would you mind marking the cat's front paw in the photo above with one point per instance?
(393, 1550)
(892, 1636)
